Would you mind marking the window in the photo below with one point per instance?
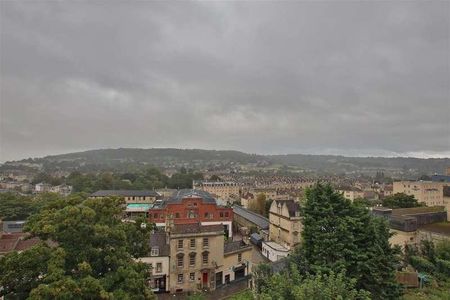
(180, 244)
(154, 251)
(191, 276)
(239, 257)
(158, 267)
(195, 203)
(192, 259)
(205, 258)
(177, 215)
(221, 214)
(180, 278)
(226, 214)
(206, 215)
(180, 261)
(192, 243)
(205, 243)
(155, 216)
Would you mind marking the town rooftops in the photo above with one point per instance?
(235, 246)
(125, 193)
(196, 228)
(16, 242)
(253, 217)
(179, 195)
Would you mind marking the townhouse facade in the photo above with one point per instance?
(285, 223)
(428, 192)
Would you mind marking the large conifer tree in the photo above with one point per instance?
(340, 236)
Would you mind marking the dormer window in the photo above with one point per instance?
(154, 251)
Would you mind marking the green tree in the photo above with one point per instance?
(339, 236)
(400, 200)
(290, 284)
(17, 207)
(92, 258)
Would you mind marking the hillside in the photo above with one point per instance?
(128, 159)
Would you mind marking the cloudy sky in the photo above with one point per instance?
(352, 78)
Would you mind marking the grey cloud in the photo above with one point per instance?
(266, 77)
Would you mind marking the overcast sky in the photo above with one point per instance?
(352, 78)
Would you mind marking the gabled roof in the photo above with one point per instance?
(291, 205)
(125, 193)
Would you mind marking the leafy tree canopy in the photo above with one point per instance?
(400, 200)
(92, 257)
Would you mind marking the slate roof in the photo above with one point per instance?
(195, 228)
(125, 193)
(178, 196)
(159, 239)
(234, 246)
(292, 206)
(253, 217)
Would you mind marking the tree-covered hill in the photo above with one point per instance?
(131, 159)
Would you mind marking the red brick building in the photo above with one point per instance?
(191, 206)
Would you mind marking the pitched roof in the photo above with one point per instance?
(253, 217)
(291, 205)
(159, 239)
(125, 193)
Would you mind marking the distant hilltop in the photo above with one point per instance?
(132, 159)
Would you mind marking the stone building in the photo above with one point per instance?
(285, 223)
(428, 192)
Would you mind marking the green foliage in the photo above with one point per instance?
(17, 207)
(291, 285)
(151, 178)
(400, 200)
(93, 258)
(422, 264)
(339, 236)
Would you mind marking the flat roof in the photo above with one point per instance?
(441, 228)
(417, 210)
(276, 246)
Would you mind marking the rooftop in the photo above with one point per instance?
(196, 228)
(234, 246)
(253, 217)
(417, 210)
(276, 246)
(441, 228)
(158, 239)
(292, 206)
(125, 193)
(179, 195)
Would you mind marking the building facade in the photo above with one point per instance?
(285, 223)
(226, 190)
(196, 251)
(428, 192)
(191, 207)
(158, 259)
